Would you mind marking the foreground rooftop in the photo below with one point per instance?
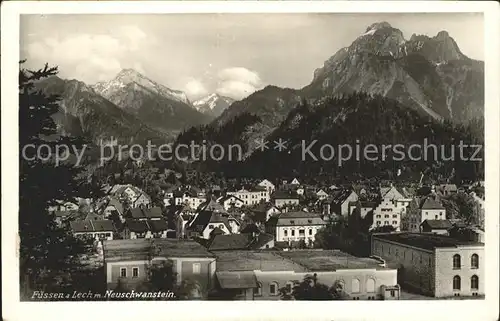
(425, 241)
(330, 260)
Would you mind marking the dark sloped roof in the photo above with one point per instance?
(237, 280)
(437, 224)
(339, 196)
(92, 226)
(431, 203)
(136, 212)
(284, 195)
(137, 226)
(114, 202)
(229, 242)
(261, 240)
(300, 218)
(158, 225)
(154, 212)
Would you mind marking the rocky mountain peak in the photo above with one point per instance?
(442, 35)
(378, 25)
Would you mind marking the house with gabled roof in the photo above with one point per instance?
(154, 213)
(96, 229)
(267, 185)
(436, 226)
(295, 226)
(284, 198)
(230, 201)
(425, 208)
(340, 201)
(263, 212)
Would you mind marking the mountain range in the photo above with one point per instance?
(128, 108)
(213, 104)
(417, 88)
(429, 76)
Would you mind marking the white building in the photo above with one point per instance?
(251, 196)
(295, 226)
(267, 185)
(430, 208)
(436, 265)
(230, 201)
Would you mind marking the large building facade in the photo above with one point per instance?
(435, 265)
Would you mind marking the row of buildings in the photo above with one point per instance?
(434, 265)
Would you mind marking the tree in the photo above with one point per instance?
(48, 253)
(461, 206)
(163, 277)
(312, 290)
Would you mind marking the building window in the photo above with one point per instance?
(135, 272)
(386, 216)
(394, 216)
(436, 217)
(286, 233)
(355, 286)
(293, 232)
(273, 288)
(123, 272)
(302, 232)
(289, 287)
(370, 285)
(393, 293)
(379, 216)
(474, 261)
(456, 262)
(211, 226)
(258, 290)
(456, 282)
(394, 222)
(310, 231)
(196, 268)
(474, 282)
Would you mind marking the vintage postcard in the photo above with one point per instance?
(294, 152)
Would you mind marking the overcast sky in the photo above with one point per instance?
(233, 54)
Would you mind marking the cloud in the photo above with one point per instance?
(238, 82)
(89, 57)
(195, 89)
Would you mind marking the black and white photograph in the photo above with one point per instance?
(253, 156)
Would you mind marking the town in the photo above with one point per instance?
(260, 240)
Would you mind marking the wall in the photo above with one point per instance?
(282, 202)
(206, 277)
(113, 274)
(386, 277)
(418, 265)
(445, 271)
(387, 213)
(432, 214)
(280, 232)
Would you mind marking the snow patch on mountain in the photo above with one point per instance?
(130, 76)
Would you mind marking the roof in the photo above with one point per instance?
(136, 212)
(211, 205)
(254, 260)
(425, 241)
(137, 226)
(261, 240)
(230, 242)
(114, 202)
(263, 207)
(158, 225)
(339, 196)
(236, 280)
(92, 226)
(154, 212)
(284, 195)
(330, 260)
(144, 249)
(431, 203)
(203, 218)
(227, 197)
(299, 218)
(437, 224)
